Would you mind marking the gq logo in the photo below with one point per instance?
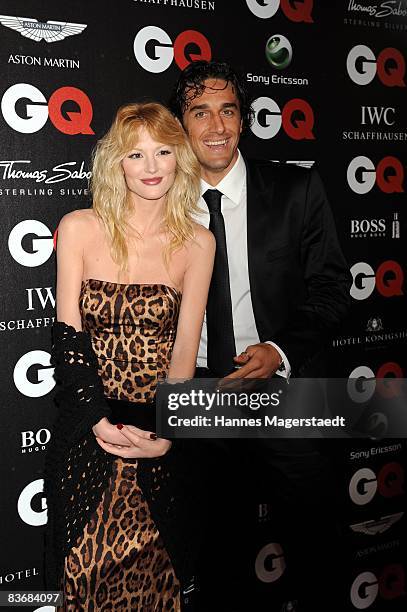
(297, 11)
(30, 118)
(274, 570)
(362, 66)
(44, 382)
(362, 382)
(388, 279)
(39, 248)
(362, 175)
(364, 484)
(269, 119)
(366, 587)
(161, 55)
(36, 516)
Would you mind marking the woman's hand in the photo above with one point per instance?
(104, 430)
(140, 444)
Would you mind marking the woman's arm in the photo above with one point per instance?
(201, 253)
(70, 254)
(72, 233)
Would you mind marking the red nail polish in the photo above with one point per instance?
(153, 436)
(119, 426)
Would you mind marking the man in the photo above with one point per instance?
(280, 287)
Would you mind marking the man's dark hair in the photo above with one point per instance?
(190, 85)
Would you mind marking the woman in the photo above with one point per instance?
(132, 283)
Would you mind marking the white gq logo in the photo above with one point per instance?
(45, 382)
(37, 113)
(363, 486)
(274, 551)
(368, 66)
(265, 10)
(361, 384)
(273, 120)
(42, 246)
(24, 504)
(164, 52)
(367, 584)
(368, 176)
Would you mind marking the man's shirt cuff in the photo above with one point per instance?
(285, 369)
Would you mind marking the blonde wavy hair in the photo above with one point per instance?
(111, 198)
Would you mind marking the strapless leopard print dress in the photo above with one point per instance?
(120, 563)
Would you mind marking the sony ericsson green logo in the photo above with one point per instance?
(279, 52)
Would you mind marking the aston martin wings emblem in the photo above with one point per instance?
(380, 526)
(50, 31)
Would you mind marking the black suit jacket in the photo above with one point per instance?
(299, 278)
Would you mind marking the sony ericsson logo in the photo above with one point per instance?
(279, 51)
(50, 31)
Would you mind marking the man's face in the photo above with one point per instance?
(213, 123)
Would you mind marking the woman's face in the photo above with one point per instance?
(149, 168)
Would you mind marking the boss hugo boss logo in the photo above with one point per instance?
(364, 484)
(31, 243)
(296, 118)
(299, 11)
(388, 584)
(32, 505)
(367, 227)
(362, 175)
(28, 118)
(34, 441)
(157, 58)
(390, 66)
(388, 279)
(34, 365)
(270, 563)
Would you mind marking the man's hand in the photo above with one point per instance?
(140, 444)
(258, 361)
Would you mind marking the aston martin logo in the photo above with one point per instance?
(50, 31)
(380, 526)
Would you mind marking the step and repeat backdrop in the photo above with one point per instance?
(329, 88)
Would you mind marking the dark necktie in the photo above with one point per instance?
(219, 319)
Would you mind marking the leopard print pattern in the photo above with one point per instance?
(132, 327)
(120, 563)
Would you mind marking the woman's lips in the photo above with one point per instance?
(152, 181)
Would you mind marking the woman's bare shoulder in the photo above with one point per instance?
(203, 237)
(82, 221)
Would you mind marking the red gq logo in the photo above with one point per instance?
(297, 10)
(367, 586)
(158, 57)
(388, 279)
(388, 175)
(76, 122)
(362, 66)
(297, 119)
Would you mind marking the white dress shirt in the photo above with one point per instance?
(233, 206)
